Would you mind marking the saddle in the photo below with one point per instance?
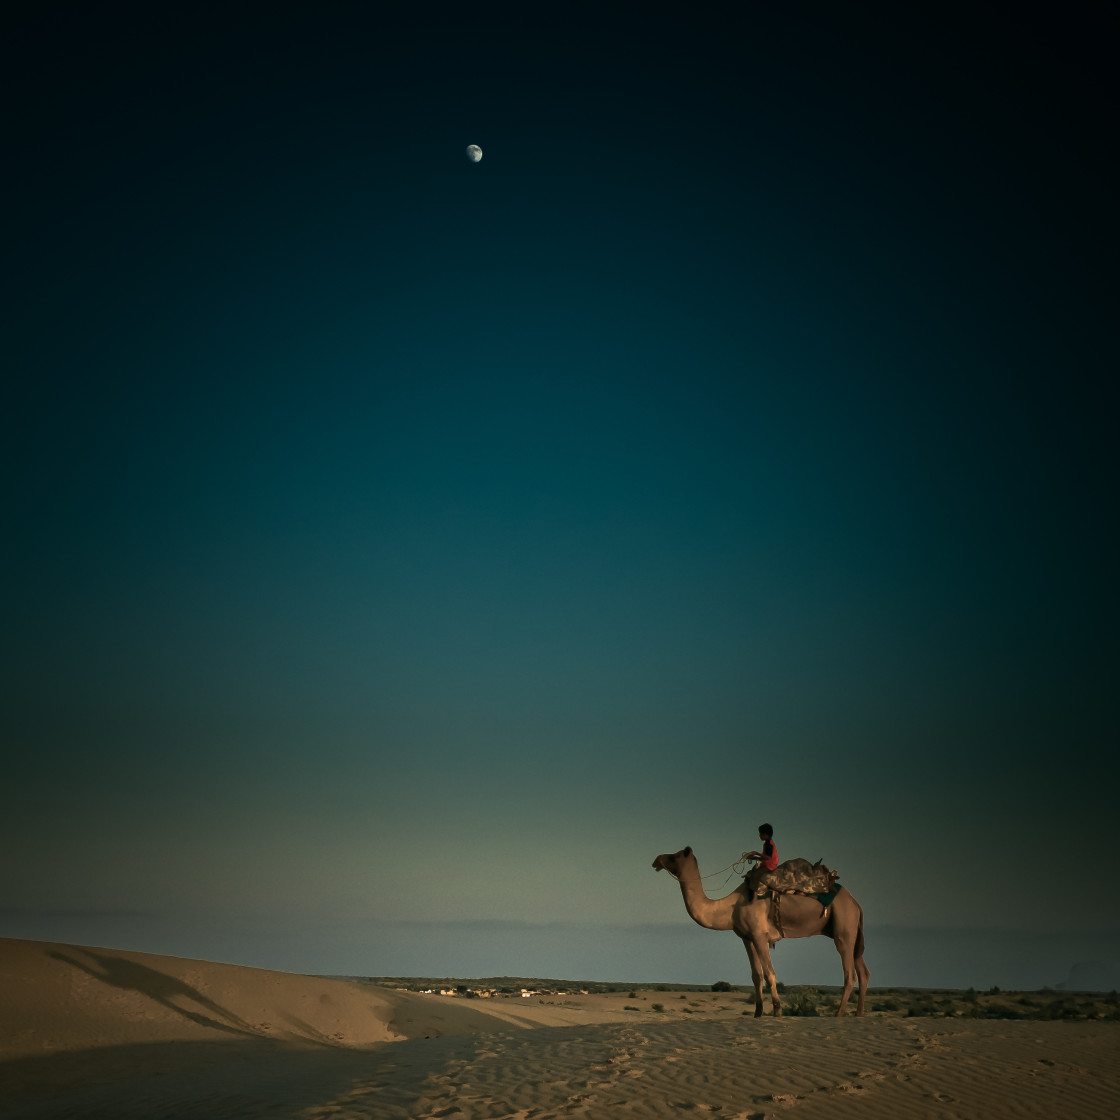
(799, 876)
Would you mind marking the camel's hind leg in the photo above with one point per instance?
(861, 968)
(849, 978)
(849, 945)
(864, 980)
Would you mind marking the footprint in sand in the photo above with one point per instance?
(783, 1100)
(362, 1089)
(618, 1059)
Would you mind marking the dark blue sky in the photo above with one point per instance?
(395, 539)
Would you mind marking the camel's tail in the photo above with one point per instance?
(859, 936)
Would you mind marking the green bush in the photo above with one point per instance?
(801, 1001)
(886, 1005)
(922, 1008)
(1060, 1009)
(1001, 1011)
(721, 986)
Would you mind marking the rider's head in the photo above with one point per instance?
(765, 831)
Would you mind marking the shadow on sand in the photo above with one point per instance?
(164, 989)
(257, 1077)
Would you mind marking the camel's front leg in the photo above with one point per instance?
(762, 949)
(756, 975)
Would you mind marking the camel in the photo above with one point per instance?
(760, 929)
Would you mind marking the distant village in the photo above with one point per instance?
(498, 993)
(520, 987)
(502, 987)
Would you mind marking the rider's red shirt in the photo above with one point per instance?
(769, 855)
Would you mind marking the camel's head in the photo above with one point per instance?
(673, 863)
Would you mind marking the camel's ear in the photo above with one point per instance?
(687, 852)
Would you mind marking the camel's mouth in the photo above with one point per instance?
(671, 862)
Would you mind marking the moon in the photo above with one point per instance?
(474, 153)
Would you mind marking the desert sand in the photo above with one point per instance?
(89, 1032)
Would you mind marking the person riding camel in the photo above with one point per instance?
(767, 860)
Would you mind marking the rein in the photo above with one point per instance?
(737, 867)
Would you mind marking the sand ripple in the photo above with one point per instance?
(750, 1072)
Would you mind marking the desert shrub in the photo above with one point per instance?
(1002, 1011)
(629, 1007)
(657, 1007)
(922, 1008)
(781, 988)
(632, 995)
(970, 996)
(802, 1001)
(721, 986)
(1060, 1009)
(994, 990)
(886, 1005)
(1112, 999)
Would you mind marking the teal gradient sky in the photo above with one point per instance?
(403, 552)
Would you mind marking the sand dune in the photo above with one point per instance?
(88, 1032)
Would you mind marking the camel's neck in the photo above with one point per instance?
(711, 913)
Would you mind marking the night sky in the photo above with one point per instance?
(401, 552)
